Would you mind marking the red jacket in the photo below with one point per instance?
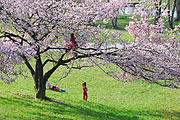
(74, 43)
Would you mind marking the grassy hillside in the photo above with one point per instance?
(108, 100)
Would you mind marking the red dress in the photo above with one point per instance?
(84, 93)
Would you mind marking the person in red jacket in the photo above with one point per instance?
(84, 91)
(73, 42)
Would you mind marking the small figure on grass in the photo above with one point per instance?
(56, 88)
(85, 96)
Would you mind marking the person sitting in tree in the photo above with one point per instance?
(73, 42)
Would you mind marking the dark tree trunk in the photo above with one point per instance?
(169, 15)
(158, 12)
(40, 83)
(37, 74)
(172, 15)
(40, 88)
(40, 79)
(40, 91)
(114, 23)
(178, 10)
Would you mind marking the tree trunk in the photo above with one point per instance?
(40, 79)
(171, 16)
(178, 10)
(114, 23)
(40, 82)
(158, 12)
(40, 88)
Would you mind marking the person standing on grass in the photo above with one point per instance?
(84, 91)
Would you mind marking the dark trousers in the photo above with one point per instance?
(85, 96)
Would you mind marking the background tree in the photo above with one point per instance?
(171, 14)
(112, 10)
(158, 4)
(162, 7)
(178, 9)
(155, 54)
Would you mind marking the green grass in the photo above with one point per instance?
(123, 20)
(108, 100)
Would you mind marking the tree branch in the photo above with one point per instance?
(28, 65)
(48, 60)
(50, 48)
(10, 35)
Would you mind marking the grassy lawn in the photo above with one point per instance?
(122, 22)
(108, 100)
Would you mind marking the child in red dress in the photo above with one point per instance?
(73, 42)
(84, 91)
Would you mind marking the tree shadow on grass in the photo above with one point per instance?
(87, 111)
(171, 115)
(57, 110)
(28, 109)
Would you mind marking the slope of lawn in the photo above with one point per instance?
(108, 99)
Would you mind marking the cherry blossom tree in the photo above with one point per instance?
(171, 14)
(178, 9)
(112, 10)
(39, 30)
(8, 62)
(154, 55)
